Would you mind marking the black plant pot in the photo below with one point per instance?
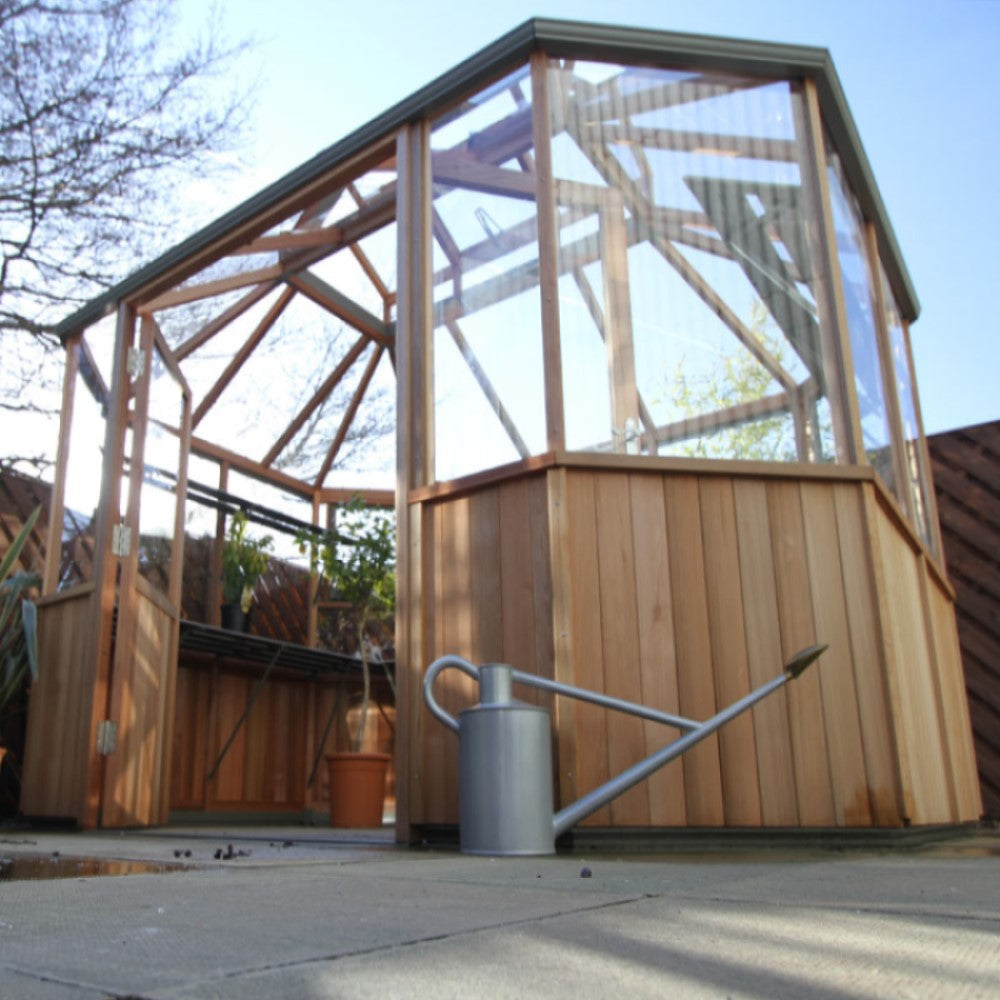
(235, 618)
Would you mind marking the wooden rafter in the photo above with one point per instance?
(458, 169)
(483, 380)
(313, 216)
(223, 320)
(730, 416)
(678, 140)
(324, 390)
(349, 415)
(324, 294)
(209, 289)
(597, 315)
(238, 360)
(605, 100)
(294, 240)
(612, 171)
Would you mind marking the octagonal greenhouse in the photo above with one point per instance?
(616, 321)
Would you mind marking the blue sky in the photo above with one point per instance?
(921, 79)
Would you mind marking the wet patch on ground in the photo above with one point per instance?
(26, 867)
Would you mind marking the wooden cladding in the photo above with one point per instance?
(55, 774)
(267, 765)
(685, 592)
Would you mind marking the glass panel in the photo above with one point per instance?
(488, 377)
(858, 286)
(688, 316)
(162, 461)
(91, 399)
(906, 393)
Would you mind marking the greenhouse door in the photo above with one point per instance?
(151, 547)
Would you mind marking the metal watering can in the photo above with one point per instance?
(505, 754)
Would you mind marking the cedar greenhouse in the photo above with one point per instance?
(616, 322)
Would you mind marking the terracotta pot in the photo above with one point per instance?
(357, 789)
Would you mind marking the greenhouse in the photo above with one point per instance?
(615, 322)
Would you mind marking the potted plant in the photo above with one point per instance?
(244, 561)
(18, 660)
(359, 563)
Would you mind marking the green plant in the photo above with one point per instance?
(18, 636)
(244, 561)
(359, 562)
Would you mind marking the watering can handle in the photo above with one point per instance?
(432, 671)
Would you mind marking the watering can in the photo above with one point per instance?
(505, 754)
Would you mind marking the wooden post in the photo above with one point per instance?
(618, 324)
(105, 562)
(414, 449)
(53, 547)
(548, 253)
(835, 336)
(897, 434)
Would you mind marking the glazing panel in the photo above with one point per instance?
(162, 462)
(905, 386)
(91, 399)
(688, 314)
(858, 286)
(489, 406)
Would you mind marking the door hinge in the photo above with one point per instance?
(135, 364)
(107, 737)
(121, 540)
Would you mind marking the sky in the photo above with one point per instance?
(920, 77)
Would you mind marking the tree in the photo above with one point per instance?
(102, 117)
(360, 565)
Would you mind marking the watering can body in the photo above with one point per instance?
(504, 772)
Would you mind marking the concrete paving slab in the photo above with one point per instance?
(361, 917)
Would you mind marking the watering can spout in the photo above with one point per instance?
(505, 770)
(803, 659)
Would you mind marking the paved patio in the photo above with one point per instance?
(298, 912)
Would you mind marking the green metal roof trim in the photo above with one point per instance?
(558, 38)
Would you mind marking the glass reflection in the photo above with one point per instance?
(688, 318)
(858, 287)
(162, 465)
(488, 372)
(906, 394)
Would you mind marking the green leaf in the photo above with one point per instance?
(14, 552)
(29, 622)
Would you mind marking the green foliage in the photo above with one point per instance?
(244, 561)
(359, 562)
(18, 638)
(736, 378)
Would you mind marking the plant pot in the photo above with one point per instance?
(235, 618)
(357, 789)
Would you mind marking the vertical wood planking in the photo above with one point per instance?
(911, 666)
(729, 663)
(805, 703)
(954, 703)
(54, 771)
(836, 673)
(484, 580)
(762, 625)
(564, 709)
(591, 764)
(881, 764)
(541, 581)
(702, 767)
(657, 661)
(517, 597)
(620, 640)
(438, 798)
